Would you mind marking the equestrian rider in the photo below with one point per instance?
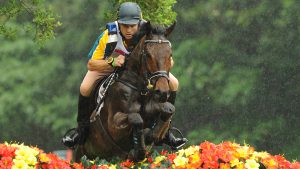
(113, 41)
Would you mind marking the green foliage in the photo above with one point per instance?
(236, 66)
(34, 17)
(237, 63)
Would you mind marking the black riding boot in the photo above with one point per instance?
(78, 135)
(170, 139)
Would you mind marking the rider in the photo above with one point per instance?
(108, 53)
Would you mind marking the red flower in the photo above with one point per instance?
(207, 146)
(150, 160)
(77, 166)
(127, 163)
(164, 152)
(7, 151)
(6, 163)
(282, 162)
(171, 157)
(296, 165)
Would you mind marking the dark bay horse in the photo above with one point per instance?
(134, 101)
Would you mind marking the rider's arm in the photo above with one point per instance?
(97, 61)
(99, 65)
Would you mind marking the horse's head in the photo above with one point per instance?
(153, 54)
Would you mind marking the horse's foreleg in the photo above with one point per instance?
(162, 123)
(138, 153)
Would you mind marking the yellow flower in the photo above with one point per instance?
(251, 164)
(235, 162)
(112, 167)
(43, 158)
(180, 161)
(180, 152)
(272, 163)
(240, 166)
(261, 155)
(19, 164)
(243, 152)
(191, 150)
(158, 159)
(27, 154)
(195, 158)
(224, 166)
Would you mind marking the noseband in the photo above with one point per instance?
(158, 74)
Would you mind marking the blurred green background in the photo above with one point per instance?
(237, 62)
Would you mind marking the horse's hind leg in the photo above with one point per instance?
(138, 153)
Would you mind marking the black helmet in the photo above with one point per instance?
(129, 13)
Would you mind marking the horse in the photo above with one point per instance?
(134, 101)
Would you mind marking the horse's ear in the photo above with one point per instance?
(147, 27)
(170, 29)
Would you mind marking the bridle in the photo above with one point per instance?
(148, 76)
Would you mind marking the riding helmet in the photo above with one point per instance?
(129, 13)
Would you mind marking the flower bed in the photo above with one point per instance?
(207, 155)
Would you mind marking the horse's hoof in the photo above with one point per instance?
(136, 155)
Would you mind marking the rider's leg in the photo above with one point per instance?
(84, 113)
(170, 139)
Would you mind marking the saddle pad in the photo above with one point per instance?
(102, 91)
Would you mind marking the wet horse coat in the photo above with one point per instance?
(134, 102)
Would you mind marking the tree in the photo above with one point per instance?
(35, 19)
(238, 72)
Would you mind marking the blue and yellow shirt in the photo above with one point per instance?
(98, 50)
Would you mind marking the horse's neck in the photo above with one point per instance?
(135, 59)
(132, 77)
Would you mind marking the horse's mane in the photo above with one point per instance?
(147, 29)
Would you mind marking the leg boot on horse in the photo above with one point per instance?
(138, 152)
(161, 132)
(79, 135)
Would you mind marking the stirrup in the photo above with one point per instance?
(70, 139)
(174, 147)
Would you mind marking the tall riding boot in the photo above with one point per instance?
(79, 135)
(170, 139)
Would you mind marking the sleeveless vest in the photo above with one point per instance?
(115, 42)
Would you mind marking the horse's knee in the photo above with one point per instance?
(174, 83)
(168, 110)
(135, 119)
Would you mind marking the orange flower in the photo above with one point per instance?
(127, 163)
(224, 166)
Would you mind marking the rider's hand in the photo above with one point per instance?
(119, 61)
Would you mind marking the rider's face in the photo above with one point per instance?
(128, 30)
